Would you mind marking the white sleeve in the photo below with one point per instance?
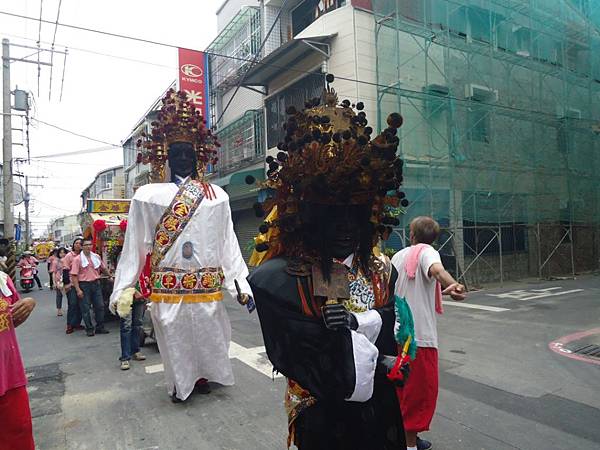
(138, 243)
(365, 361)
(428, 257)
(365, 354)
(232, 262)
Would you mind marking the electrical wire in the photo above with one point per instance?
(52, 49)
(39, 49)
(276, 66)
(75, 133)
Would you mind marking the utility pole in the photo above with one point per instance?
(7, 181)
(27, 223)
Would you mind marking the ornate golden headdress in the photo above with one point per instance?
(328, 157)
(178, 121)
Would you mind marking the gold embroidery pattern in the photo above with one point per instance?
(5, 322)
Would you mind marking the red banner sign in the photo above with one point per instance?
(193, 79)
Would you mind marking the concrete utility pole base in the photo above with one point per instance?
(7, 181)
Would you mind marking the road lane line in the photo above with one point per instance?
(154, 369)
(473, 306)
(250, 356)
(572, 291)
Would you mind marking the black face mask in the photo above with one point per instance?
(343, 231)
(182, 160)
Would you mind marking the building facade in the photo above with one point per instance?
(237, 114)
(500, 101)
(107, 184)
(65, 229)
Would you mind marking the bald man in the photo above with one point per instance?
(422, 280)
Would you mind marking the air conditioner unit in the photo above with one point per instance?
(481, 93)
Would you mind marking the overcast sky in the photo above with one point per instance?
(103, 96)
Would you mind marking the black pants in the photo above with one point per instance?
(51, 280)
(37, 280)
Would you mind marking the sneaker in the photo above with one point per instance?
(139, 356)
(422, 444)
(69, 329)
(41, 288)
(90, 333)
(125, 365)
(59, 313)
(102, 331)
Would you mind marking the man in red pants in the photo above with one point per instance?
(15, 416)
(421, 278)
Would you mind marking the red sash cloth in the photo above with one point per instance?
(15, 419)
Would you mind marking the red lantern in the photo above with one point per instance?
(123, 225)
(99, 225)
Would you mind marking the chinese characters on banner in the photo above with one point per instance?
(193, 79)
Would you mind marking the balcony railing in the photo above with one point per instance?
(238, 43)
(242, 142)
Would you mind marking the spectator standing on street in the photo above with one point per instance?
(49, 263)
(85, 276)
(29, 260)
(74, 311)
(421, 278)
(131, 329)
(15, 416)
(56, 278)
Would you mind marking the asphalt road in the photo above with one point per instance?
(502, 386)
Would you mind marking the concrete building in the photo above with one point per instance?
(237, 114)
(65, 229)
(134, 174)
(500, 101)
(107, 184)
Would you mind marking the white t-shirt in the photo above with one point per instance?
(419, 294)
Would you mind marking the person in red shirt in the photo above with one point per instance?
(85, 276)
(29, 260)
(74, 311)
(15, 415)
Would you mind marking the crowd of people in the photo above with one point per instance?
(354, 332)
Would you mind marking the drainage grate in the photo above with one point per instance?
(589, 350)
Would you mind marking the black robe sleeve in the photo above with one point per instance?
(298, 346)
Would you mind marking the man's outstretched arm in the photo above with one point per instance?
(450, 286)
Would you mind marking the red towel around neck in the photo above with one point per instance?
(412, 262)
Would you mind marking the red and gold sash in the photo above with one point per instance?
(177, 216)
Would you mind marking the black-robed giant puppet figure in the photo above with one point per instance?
(325, 301)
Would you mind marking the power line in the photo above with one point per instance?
(75, 152)
(52, 47)
(276, 66)
(76, 134)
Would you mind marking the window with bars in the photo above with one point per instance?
(307, 88)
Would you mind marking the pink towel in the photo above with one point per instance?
(412, 262)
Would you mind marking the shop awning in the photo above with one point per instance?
(284, 58)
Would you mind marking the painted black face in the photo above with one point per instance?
(182, 159)
(343, 231)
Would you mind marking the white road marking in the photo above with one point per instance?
(250, 356)
(155, 368)
(253, 358)
(473, 306)
(533, 294)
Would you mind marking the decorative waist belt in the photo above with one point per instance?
(170, 285)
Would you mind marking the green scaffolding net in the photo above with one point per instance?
(501, 139)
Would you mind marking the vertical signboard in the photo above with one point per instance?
(193, 79)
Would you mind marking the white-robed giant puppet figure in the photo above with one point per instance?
(180, 238)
